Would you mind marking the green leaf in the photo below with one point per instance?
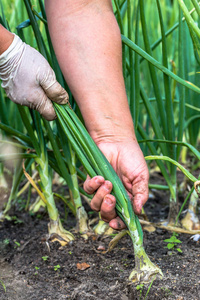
(166, 158)
(170, 246)
(168, 240)
(139, 287)
(174, 239)
(158, 65)
(177, 241)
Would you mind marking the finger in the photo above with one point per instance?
(108, 208)
(45, 107)
(92, 184)
(140, 193)
(138, 202)
(117, 224)
(102, 191)
(53, 89)
(57, 93)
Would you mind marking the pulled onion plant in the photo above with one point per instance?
(95, 163)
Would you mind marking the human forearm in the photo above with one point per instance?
(87, 42)
(6, 39)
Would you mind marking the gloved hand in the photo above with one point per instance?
(29, 80)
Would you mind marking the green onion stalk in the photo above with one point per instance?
(17, 177)
(167, 126)
(37, 206)
(70, 156)
(50, 56)
(95, 163)
(65, 165)
(3, 182)
(23, 143)
(55, 227)
(102, 228)
(35, 131)
(191, 220)
(81, 215)
(163, 127)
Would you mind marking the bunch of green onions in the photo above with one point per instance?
(95, 164)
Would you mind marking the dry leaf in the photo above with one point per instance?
(149, 228)
(82, 266)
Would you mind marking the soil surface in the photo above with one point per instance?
(34, 269)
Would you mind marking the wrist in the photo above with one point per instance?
(6, 39)
(107, 121)
(112, 135)
(14, 48)
(9, 60)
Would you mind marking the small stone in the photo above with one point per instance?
(101, 248)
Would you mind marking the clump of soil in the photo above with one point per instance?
(32, 268)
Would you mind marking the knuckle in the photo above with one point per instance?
(106, 209)
(87, 188)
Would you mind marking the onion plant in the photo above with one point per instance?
(67, 169)
(191, 221)
(45, 174)
(81, 215)
(27, 151)
(167, 113)
(95, 163)
(68, 153)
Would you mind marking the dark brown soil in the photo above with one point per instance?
(24, 274)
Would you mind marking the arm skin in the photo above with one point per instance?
(6, 39)
(87, 42)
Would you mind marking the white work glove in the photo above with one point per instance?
(29, 80)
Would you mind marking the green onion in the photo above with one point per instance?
(95, 163)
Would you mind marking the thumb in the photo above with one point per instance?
(53, 89)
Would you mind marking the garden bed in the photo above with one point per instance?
(28, 270)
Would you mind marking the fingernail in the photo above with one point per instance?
(98, 180)
(108, 201)
(119, 225)
(107, 186)
(65, 100)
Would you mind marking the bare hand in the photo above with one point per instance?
(128, 161)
